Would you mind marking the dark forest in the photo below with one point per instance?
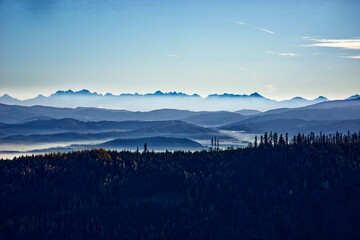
(306, 187)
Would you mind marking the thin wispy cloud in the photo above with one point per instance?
(258, 28)
(172, 55)
(352, 43)
(286, 54)
(317, 53)
(353, 57)
(270, 88)
(247, 71)
(308, 38)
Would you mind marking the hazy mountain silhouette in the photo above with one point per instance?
(228, 95)
(18, 114)
(128, 129)
(9, 100)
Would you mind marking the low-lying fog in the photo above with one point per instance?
(9, 151)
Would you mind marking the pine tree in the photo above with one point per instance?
(281, 140)
(145, 147)
(266, 138)
(275, 138)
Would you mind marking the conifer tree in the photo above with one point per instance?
(145, 147)
(266, 138)
(275, 138)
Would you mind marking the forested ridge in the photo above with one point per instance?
(307, 187)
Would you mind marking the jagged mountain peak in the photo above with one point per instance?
(321, 99)
(61, 92)
(255, 94)
(6, 96)
(356, 96)
(83, 92)
(298, 98)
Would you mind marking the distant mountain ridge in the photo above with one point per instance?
(159, 100)
(85, 92)
(20, 114)
(229, 95)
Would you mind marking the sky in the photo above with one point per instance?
(280, 49)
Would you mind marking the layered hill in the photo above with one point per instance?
(19, 114)
(331, 116)
(71, 129)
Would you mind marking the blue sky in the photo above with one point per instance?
(280, 49)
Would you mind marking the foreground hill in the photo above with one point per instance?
(301, 191)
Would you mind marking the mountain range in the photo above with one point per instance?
(159, 100)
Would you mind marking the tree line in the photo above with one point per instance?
(283, 139)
